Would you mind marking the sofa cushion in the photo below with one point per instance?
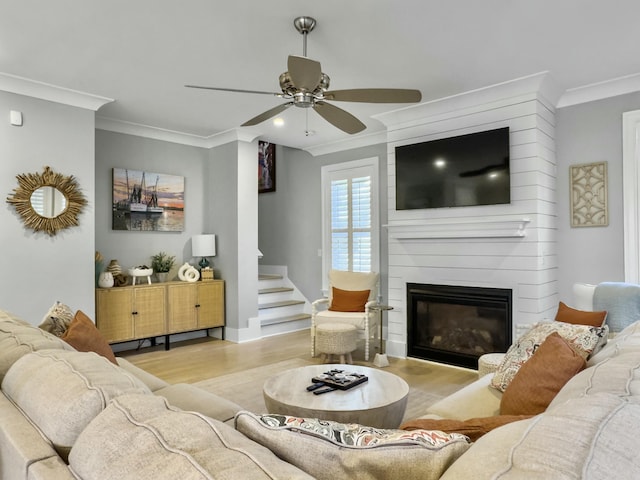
(154, 383)
(590, 438)
(65, 391)
(539, 380)
(169, 444)
(582, 338)
(17, 338)
(331, 450)
(474, 400)
(619, 375)
(83, 335)
(627, 340)
(348, 300)
(188, 397)
(567, 314)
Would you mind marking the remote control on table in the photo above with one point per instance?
(324, 390)
(315, 386)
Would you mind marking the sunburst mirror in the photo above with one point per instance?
(48, 201)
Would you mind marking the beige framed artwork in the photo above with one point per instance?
(588, 186)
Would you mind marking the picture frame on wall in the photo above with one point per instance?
(589, 197)
(147, 201)
(266, 167)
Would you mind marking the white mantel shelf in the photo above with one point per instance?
(462, 229)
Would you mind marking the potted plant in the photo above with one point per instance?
(162, 263)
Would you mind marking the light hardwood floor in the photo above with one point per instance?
(199, 359)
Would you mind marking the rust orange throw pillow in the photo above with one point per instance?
(538, 381)
(567, 314)
(83, 335)
(473, 428)
(348, 300)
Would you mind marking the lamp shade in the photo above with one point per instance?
(203, 245)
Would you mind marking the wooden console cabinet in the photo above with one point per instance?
(137, 312)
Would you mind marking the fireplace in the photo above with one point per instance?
(457, 324)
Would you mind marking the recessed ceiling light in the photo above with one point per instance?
(278, 121)
(440, 162)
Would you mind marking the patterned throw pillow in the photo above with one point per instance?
(57, 319)
(582, 338)
(329, 450)
(354, 435)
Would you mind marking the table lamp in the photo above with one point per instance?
(203, 246)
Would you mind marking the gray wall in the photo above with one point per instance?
(290, 226)
(591, 132)
(37, 269)
(143, 154)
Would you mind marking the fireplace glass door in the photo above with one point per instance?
(457, 324)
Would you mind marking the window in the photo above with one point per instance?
(350, 216)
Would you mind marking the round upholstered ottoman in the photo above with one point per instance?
(336, 339)
(489, 363)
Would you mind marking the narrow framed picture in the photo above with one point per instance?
(266, 167)
(147, 201)
(589, 195)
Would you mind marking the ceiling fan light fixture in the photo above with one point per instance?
(305, 86)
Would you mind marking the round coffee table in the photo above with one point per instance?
(379, 402)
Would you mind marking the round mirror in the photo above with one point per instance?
(48, 202)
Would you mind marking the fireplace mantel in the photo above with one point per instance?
(460, 229)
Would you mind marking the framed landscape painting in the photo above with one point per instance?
(147, 201)
(266, 167)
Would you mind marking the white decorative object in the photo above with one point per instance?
(183, 269)
(105, 280)
(191, 274)
(140, 272)
(589, 195)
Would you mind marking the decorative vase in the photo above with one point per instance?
(162, 276)
(114, 268)
(105, 280)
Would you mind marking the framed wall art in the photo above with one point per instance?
(588, 186)
(266, 167)
(147, 201)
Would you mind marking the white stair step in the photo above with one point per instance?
(283, 303)
(284, 319)
(265, 291)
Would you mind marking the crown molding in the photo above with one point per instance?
(52, 93)
(600, 90)
(540, 85)
(147, 131)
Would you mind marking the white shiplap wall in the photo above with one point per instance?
(503, 246)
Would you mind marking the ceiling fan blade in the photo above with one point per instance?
(339, 118)
(234, 90)
(375, 95)
(305, 73)
(267, 115)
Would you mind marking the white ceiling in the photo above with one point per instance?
(141, 53)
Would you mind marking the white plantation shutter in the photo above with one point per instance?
(350, 204)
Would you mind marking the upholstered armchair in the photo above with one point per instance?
(350, 298)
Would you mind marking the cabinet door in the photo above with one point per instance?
(211, 304)
(182, 307)
(113, 314)
(149, 311)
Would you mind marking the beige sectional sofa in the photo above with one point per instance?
(73, 415)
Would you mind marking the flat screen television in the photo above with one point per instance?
(460, 171)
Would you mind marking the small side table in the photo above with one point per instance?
(381, 359)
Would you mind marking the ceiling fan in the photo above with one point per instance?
(306, 86)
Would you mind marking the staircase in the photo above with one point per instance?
(281, 306)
